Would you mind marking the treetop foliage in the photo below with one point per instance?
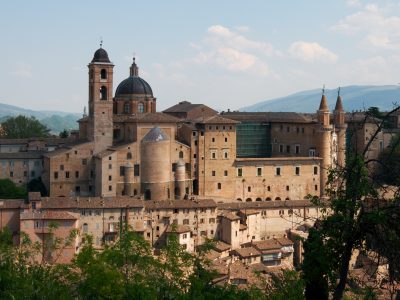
(23, 127)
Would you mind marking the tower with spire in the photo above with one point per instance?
(324, 139)
(340, 128)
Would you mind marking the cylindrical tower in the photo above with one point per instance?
(180, 180)
(129, 179)
(340, 127)
(325, 130)
(155, 153)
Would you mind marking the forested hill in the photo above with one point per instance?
(56, 121)
(354, 98)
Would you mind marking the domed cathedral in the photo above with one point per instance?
(135, 148)
(134, 95)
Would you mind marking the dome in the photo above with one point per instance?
(155, 135)
(133, 85)
(101, 55)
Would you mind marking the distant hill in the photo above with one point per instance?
(56, 121)
(353, 97)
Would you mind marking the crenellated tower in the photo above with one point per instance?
(100, 125)
(340, 128)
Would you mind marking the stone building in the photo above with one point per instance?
(125, 147)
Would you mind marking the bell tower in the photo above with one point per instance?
(100, 126)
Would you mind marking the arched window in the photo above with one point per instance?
(258, 199)
(85, 228)
(103, 93)
(129, 155)
(249, 200)
(103, 74)
(268, 199)
(277, 198)
(141, 108)
(287, 198)
(180, 154)
(239, 199)
(127, 108)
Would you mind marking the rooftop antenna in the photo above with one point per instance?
(101, 42)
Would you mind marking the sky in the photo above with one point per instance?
(225, 54)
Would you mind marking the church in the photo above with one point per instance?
(126, 147)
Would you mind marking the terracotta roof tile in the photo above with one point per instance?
(247, 252)
(163, 204)
(90, 202)
(177, 228)
(47, 215)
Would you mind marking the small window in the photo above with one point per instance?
(287, 188)
(110, 188)
(226, 140)
(129, 155)
(103, 74)
(61, 167)
(109, 178)
(11, 174)
(249, 189)
(259, 171)
(225, 173)
(25, 174)
(316, 187)
(213, 140)
(219, 185)
(67, 174)
(268, 188)
(288, 129)
(297, 170)
(297, 149)
(136, 169)
(127, 108)
(55, 175)
(121, 171)
(84, 161)
(103, 93)
(212, 173)
(239, 172)
(109, 166)
(280, 148)
(315, 170)
(278, 171)
(109, 158)
(213, 155)
(180, 154)
(287, 148)
(194, 133)
(225, 154)
(76, 174)
(141, 108)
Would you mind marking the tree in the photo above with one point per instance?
(64, 134)
(23, 127)
(37, 185)
(8, 190)
(355, 217)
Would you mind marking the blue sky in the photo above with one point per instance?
(226, 54)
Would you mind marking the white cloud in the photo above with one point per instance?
(311, 52)
(22, 70)
(378, 25)
(221, 35)
(242, 28)
(353, 3)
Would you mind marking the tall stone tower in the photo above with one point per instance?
(100, 126)
(340, 128)
(325, 132)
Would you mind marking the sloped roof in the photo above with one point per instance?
(165, 204)
(155, 135)
(177, 228)
(146, 118)
(90, 202)
(47, 215)
(247, 252)
(274, 117)
(217, 119)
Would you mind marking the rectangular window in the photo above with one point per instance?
(67, 174)
(211, 221)
(297, 170)
(11, 174)
(136, 170)
(201, 221)
(121, 171)
(62, 167)
(287, 148)
(110, 188)
(185, 221)
(213, 155)
(173, 167)
(278, 171)
(25, 174)
(194, 133)
(212, 173)
(259, 171)
(55, 175)
(76, 174)
(311, 152)
(297, 149)
(225, 173)
(239, 172)
(84, 161)
(315, 170)
(110, 166)
(213, 140)
(225, 154)
(194, 155)
(316, 187)
(280, 148)
(195, 143)
(109, 177)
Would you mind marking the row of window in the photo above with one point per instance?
(128, 108)
(217, 127)
(288, 129)
(288, 149)
(33, 174)
(278, 171)
(24, 163)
